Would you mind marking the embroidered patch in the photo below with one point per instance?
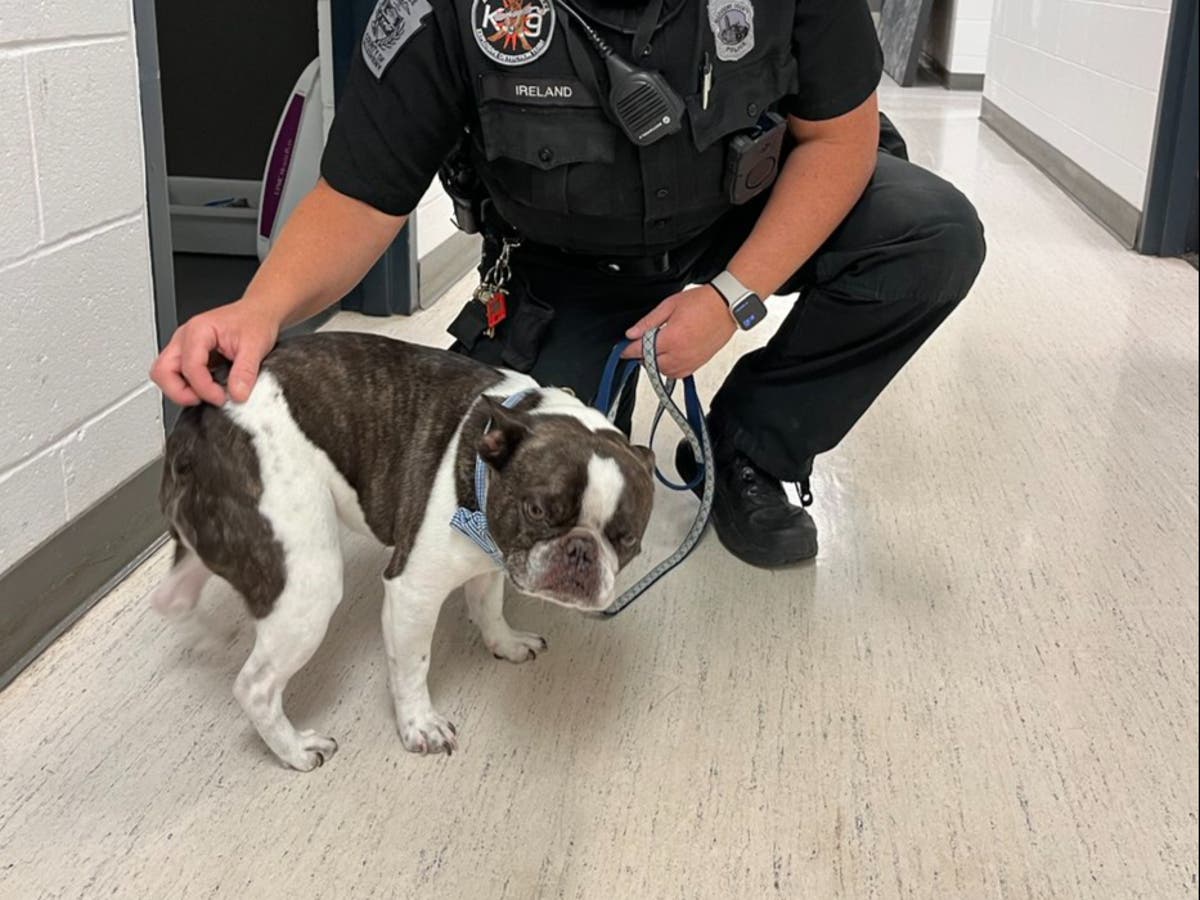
(732, 23)
(512, 32)
(392, 23)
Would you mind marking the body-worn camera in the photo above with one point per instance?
(752, 159)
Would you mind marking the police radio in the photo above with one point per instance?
(641, 102)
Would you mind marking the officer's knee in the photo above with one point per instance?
(923, 240)
(952, 242)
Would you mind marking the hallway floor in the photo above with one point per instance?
(985, 687)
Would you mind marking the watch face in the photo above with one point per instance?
(749, 311)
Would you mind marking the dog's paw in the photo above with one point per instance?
(428, 733)
(517, 646)
(312, 751)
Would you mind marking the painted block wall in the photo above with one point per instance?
(959, 32)
(78, 415)
(1084, 76)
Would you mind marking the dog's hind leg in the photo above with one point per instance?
(485, 607)
(286, 639)
(177, 595)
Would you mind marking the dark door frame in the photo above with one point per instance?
(1168, 223)
(158, 204)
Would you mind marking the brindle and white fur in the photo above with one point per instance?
(382, 436)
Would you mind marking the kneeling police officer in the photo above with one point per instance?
(631, 165)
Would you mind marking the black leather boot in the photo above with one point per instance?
(752, 514)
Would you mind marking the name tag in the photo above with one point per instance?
(544, 91)
(534, 91)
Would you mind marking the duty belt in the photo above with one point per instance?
(651, 266)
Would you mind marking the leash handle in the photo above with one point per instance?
(613, 382)
(691, 422)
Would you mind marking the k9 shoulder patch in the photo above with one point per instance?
(512, 32)
(391, 25)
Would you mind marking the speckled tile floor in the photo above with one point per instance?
(985, 687)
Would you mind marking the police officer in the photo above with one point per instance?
(652, 163)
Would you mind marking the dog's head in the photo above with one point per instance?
(569, 499)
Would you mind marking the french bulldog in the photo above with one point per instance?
(385, 437)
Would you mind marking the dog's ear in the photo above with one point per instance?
(645, 456)
(504, 434)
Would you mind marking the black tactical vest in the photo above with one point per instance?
(560, 171)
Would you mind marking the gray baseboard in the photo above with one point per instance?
(46, 592)
(1110, 209)
(954, 81)
(442, 267)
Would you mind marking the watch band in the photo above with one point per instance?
(744, 305)
(728, 286)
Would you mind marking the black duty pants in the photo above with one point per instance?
(880, 285)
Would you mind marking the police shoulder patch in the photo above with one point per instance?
(512, 32)
(391, 25)
(732, 23)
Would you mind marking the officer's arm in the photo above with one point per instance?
(821, 180)
(328, 244)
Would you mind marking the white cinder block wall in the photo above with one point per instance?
(77, 414)
(1084, 76)
(958, 35)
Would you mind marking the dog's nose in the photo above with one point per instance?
(581, 550)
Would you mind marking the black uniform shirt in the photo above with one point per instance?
(556, 167)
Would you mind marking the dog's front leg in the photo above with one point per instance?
(485, 606)
(411, 603)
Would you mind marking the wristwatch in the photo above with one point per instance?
(745, 306)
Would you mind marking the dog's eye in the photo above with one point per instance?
(628, 541)
(534, 511)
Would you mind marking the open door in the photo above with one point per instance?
(1168, 225)
(217, 83)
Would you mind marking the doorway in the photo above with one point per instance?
(226, 69)
(1168, 226)
(215, 80)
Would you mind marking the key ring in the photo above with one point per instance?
(500, 271)
(491, 291)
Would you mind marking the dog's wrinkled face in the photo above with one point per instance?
(567, 505)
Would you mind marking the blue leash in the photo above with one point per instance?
(691, 422)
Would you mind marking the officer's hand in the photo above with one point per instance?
(696, 324)
(241, 332)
